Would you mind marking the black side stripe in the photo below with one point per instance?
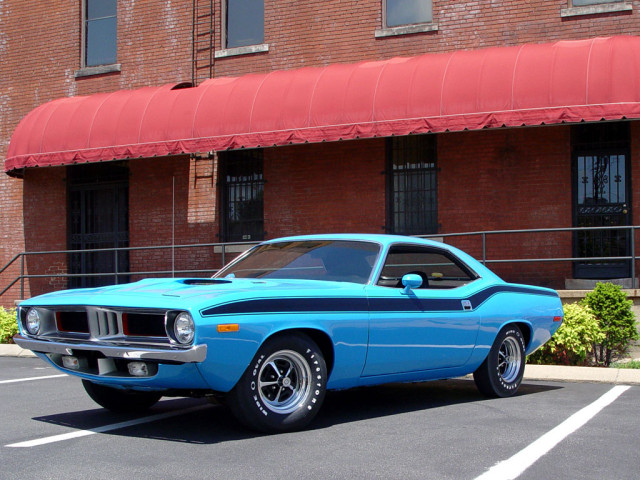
(409, 303)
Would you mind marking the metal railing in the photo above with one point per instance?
(227, 249)
(484, 234)
(223, 249)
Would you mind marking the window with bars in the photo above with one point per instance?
(243, 199)
(412, 185)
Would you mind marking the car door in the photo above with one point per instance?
(431, 327)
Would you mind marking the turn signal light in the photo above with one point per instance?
(228, 327)
(557, 319)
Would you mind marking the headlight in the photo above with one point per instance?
(184, 328)
(32, 323)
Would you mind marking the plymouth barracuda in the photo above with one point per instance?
(290, 319)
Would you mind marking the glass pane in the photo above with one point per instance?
(406, 12)
(578, 3)
(245, 23)
(100, 9)
(101, 44)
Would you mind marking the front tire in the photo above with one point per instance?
(500, 375)
(120, 401)
(283, 387)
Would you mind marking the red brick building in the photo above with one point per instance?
(445, 180)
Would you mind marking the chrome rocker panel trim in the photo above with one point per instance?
(194, 354)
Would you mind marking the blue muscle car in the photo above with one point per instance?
(290, 319)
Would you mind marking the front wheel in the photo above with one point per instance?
(500, 375)
(120, 401)
(283, 387)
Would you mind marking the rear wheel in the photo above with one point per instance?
(500, 375)
(283, 387)
(120, 401)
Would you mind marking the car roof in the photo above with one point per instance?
(386, 240)
(363, 237)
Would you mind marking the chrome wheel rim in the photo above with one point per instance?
(509, 360)
(284, 381)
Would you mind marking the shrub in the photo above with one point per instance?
(572, 343)
(8, 325)
(613, 311)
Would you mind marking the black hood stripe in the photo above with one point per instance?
(408, 303)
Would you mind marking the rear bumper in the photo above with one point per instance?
(193, 354)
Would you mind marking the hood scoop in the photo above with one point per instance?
(205, 281)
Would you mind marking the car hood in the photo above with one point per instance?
(189, 292)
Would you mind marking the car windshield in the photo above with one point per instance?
(333, 260)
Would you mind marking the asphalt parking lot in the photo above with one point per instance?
(50, 429)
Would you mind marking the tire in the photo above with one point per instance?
(283, 387)
(120, 401)
(500, 375)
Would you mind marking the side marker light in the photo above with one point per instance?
(228, 327)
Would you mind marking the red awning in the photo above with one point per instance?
(566, 81)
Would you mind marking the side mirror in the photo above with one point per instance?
(411, 281)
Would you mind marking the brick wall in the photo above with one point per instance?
(325, 188)
(40, 51)
(509, 179)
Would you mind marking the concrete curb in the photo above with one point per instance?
(12, 350)
(557, 373)
(550, 373)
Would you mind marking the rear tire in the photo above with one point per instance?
(283, 387)
(500, 375)
(120, 401)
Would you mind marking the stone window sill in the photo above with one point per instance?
(232, 52)
(596, 9)
(405, 30)
(99, 70)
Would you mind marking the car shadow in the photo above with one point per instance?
(210, 423)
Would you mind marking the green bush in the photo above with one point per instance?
(613, 311)
(8, 325)
(573, 342)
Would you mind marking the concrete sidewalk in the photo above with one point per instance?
(552, 373)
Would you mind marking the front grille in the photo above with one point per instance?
(73, 322)
(112, 324)
(107, 323)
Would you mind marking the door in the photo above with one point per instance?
(98, 219)
(429, 327)
(601, 199)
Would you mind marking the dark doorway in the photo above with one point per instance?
(98, 219)
(601, 184)
(242, 195)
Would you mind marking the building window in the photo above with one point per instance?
(412, 185)
(243, 199)
(100, 33)
(406, 12)
(244, 23)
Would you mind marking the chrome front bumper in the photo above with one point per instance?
(194, 354)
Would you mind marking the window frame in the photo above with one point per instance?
(88, 70)
(425, 250)
(227, 51)
(406, 29)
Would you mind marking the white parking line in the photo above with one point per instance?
(105, 428)
(32, 378)
(514, 466)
